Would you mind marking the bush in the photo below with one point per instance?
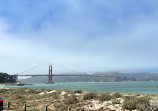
(58, 91)
(49, 90)
(90, 95)
(55, 95)
(60, 106)
(132, 103)
(32, 91)
(68, 91)
(29, 109)
(42, 90)
(105, 97)
(3, 90)
(78, 91)
(117, 95)
(116, 101)
(143, 104)
(154, 105)
(71, 99)
(129, 103)
(143, 107)
(20, 96)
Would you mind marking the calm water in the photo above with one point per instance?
(122, 87)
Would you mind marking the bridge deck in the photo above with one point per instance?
(69, 75)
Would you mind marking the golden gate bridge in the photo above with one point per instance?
(50, 75)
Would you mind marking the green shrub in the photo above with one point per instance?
(32, 91)
(143, 104)
(90, 95)
(105, 97)
(55, 95)
(129, 103)
(143, 107)
(117, 95)
(49, 90)
(58, 91)
(72, 99)
(143, 100)
(116, 101)
(132, 103)
(154, 105)
(78, 91)
(68, 91)
(3, 90)
(60, 106)
(20, 97)
(28, 109)
(42, 90)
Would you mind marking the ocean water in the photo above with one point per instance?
(122, 87)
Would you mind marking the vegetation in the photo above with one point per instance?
(117, 95)
(105, 97)
(6, 78)
(60, 100)
(132, 102)
(116, 101)
(55, 95)
(72, 99)
(78, 91)
(90, 95)
(29, 109)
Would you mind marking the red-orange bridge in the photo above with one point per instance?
(50, 75)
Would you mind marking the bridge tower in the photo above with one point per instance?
(15, 77)
(50, 75)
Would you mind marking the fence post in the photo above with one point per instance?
(46, 108)
(8, 105)
(25, 107)
(69, 109)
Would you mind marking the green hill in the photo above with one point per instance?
(6, 78)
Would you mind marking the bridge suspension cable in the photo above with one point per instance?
(50, 74)
(29, 69)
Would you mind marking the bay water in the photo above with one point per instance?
(122, 87)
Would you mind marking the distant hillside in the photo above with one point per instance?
(138, 77)
(6, 78)
(68, 79)
(121, 77)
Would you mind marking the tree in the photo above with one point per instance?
(5, 78)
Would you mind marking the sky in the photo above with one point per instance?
(81, 35)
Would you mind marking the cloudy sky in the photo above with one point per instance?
(82, 35)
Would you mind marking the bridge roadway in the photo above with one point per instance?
(34, 75)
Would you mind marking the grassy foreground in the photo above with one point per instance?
(60, 100)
